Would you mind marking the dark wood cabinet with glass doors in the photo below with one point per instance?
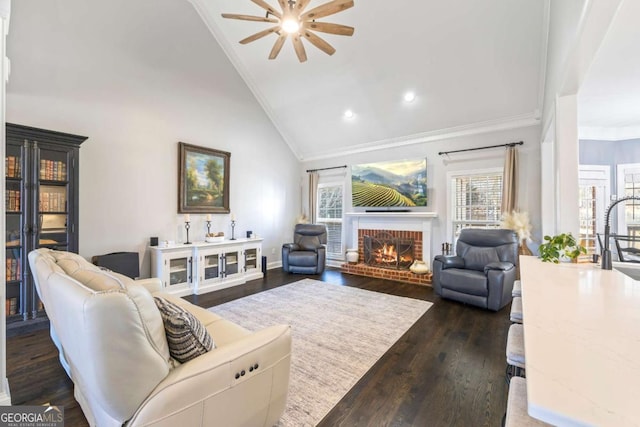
(41, 204)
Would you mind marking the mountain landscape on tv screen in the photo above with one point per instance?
(390, 184)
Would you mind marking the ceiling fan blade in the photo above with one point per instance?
(300, 6)
(266, 6)
(319, 42)
(284, 5)
(326, 27)
(260, 35)
(277, 46)
(299, 48)
(327, 9)
(249, 18)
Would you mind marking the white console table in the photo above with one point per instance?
(582, 344)
(202, 267)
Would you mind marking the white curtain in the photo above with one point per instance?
(510, 180)
(313, 196)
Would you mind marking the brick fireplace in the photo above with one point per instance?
(398, 227)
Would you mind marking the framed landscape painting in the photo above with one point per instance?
(203, 179)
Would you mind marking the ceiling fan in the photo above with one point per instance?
(294, 21)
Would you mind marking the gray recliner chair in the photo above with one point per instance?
(307, 253)
(483, 270)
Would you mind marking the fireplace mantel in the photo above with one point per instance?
(409, 221)
(399, 215)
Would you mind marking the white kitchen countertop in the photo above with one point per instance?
(582, 344)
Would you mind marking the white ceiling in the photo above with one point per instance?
(473, 64)
(609, 98)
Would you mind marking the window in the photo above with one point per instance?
(330, 213)
(594, 193)
(476, 200)
(629, 212)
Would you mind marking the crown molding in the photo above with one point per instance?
(516, 122)
(208, 19)
(608, 133)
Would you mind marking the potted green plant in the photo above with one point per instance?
(560, 248)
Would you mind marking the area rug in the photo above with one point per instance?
(338, 333)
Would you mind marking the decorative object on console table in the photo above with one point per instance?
(208, 224)
(203, 179)
(42, 203)
(233, 226)
(187, 226)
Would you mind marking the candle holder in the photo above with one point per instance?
(233, 226)
(208, 227)
(187, 226)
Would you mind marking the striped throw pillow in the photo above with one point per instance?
(187, 337)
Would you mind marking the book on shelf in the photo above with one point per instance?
(11, 306)
(12, 167)
(12, 200)
(52, 202)
(53, 170)
(12, 269)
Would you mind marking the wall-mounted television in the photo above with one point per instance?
(400, 183)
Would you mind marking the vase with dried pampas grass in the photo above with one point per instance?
(518, 222)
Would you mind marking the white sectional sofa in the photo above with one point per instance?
(112, 343)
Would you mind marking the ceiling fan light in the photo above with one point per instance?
(290, 25)
(348, 114)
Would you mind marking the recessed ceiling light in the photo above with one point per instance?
(348, 114)
(409, 96)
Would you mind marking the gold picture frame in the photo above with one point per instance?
(203, 179)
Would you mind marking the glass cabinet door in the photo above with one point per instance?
(231, 263)
(14, 241)
(179, 271)
(250, 259)
(53, 199)
(211, 266)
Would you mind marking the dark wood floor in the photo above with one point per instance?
(447, 370)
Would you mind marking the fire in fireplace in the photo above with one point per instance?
(386, 251)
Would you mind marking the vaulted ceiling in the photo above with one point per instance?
(473, 65)
(470, 63)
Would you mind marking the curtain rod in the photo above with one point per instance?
(511, 144)
(325, 169)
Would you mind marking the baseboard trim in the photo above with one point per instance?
(5, 394)
(274, 265)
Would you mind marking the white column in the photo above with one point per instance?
(566, 162)
(5, 9)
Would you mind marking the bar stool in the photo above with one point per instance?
(517, 289)
(515, 352)
(516, 310)
(517, 415)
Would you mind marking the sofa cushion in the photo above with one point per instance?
(465, 281)
(475, 258)
(309, 243)
(151, 318)
(89, 275)
(303, 259)
(186, 336)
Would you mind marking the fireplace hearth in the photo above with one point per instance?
(385, 250)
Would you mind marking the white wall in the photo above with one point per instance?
(439, 166)
(135, 109)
